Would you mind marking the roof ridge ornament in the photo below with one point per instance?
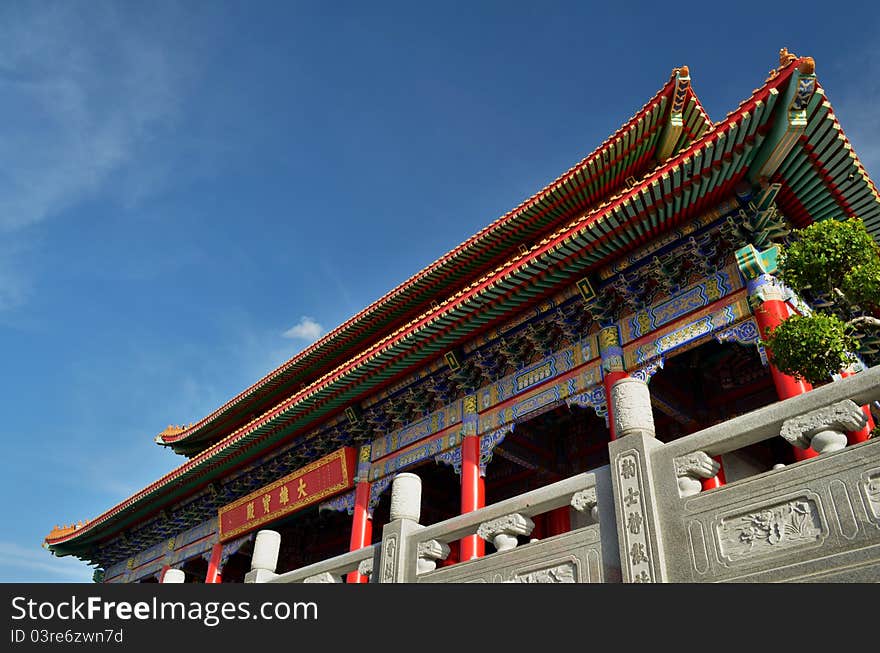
(63, 531)
(172, 430)
(670, 138)
(806, 65)
(786, 57)
(790, 119)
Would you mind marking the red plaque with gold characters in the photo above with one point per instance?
(321, 479)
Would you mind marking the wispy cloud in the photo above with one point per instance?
(83, 94)
(306, 329)
(14, 283)
(22, 564)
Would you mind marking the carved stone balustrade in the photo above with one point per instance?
(326, 571)
(631, 403)
(813, 520)
(406, 497)
(265, 557)
(365, 568)
(324, 577)
(429, 553)
(586, 501)
(824, 429)
(691, 468)
(502, 532)
(817, 519)
(174, 576)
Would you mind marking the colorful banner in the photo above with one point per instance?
(314, 482)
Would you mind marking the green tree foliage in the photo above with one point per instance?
(835, 265)
(812, 347)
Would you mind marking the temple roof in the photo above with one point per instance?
(646, 138)
(784, 133)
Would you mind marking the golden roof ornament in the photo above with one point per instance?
(64, 531)
(807, 66)
(786, 57)
(173, 429)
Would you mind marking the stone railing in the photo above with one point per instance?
(333, 570)
(818, 519)
(409, 552)
(587, 553)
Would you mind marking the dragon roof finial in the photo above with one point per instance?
(786, 57)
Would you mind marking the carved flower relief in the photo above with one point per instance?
(790, 524)
(872, 490)
(773, 526)
(564, 573)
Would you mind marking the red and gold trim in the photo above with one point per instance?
(321, 479)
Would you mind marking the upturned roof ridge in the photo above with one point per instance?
(192, 430)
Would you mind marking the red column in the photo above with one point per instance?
(718, 480)
(770, 315)
(361, 527)
(452, 558)
(854, 437)
(213, 575)
(558, 521)
(609, 380)
(473, 494)
(162, 573)
(539, 532)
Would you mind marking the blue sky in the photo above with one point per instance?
(190, 193)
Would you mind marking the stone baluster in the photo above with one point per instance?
(365, 568)
(824, 430)
(429, 553)
(265, 557)
(586, 501)
(174, 576)
(399, 555)
(631, 402)
(502, 532)
(693, 467)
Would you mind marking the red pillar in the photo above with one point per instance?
(854, 437)
(718, 480)
(473, 494)
(361, 527)
(609, 380)
(162, 573)
(452, 558)
(539, 532)
(213, 575)
(558, 521)
(770, 315)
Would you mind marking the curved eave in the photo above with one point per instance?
(690, 182)
(605, 170)
(822, 177)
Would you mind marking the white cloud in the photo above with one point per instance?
(34, 564)
(13, 286)
(84, 97)
(306, 329)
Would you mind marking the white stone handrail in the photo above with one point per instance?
(535, 502)
(815, 518)
(337, 567)
(765, 423)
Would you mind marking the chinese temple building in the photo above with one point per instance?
(564, 364)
